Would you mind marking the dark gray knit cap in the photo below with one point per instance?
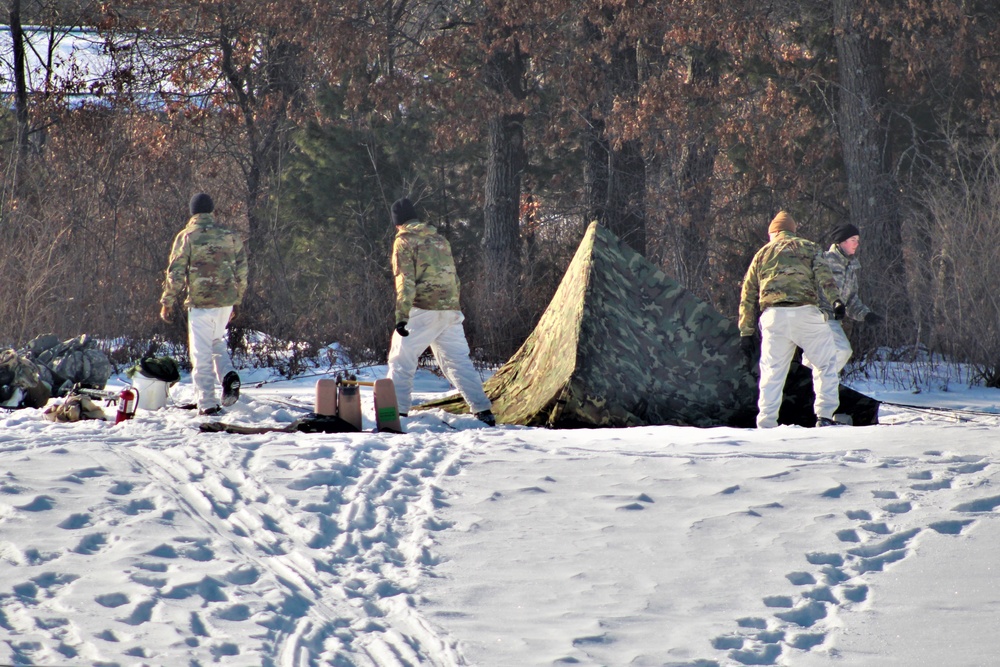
(403, 211)
(201, 203)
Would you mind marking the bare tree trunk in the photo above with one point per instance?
(863, 123)
(696, 171)
(616, 171)
(501, 238)
(20, 77)
(264, 108)
(504, 72)
(625, 213)
(595, 170)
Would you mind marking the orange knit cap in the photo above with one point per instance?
(781, 223)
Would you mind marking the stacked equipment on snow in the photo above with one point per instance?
(46, 367)
(622, 344)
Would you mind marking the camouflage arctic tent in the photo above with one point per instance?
(622, 344)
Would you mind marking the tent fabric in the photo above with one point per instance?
(622, 344)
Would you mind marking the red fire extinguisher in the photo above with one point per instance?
(126, 404)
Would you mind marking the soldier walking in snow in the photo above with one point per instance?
(784, 284)
(428, 313)
(210, 263)
(843, 262)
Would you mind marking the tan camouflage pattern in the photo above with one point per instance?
(788, 271)
(424, 270)
(622, 344)
(210, 262)
(19, 372)
(847, 273)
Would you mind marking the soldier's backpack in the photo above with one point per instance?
(21, 384)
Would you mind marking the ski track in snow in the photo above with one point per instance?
(313, 567)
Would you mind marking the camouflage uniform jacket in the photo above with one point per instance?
(210, 261)
(789, 271)
(424, 270)
(846, 271)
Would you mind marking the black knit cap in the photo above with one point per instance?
(841, 233)
(403, 211)
(201, 203)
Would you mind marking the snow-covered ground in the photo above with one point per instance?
(152, 543)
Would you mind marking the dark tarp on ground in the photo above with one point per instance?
(797, 404)
(623, 344)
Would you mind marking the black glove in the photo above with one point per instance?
(748, 345)
(839, 310)
(401, 329)
(873, 318)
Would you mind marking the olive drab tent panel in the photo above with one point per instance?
(622, 344)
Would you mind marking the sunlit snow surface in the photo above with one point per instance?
(151, 543)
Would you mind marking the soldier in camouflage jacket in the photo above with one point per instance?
(208, 263)
(428, 312)
(843, 262)
(784, 284)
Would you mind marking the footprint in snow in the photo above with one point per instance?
(834, 492)
(763, 655)
(801, 578)
(878, 528)
(80, 476)
(937, 485)
(121, 488)
(954, 527)
(39, 504)
(75, 521)
(91, 544)
(980, 505)
(901, 507)
(136, 506)
(112, 600)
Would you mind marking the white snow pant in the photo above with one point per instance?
(844, 349)
(209, 354)
(442, 331)
(784, 329)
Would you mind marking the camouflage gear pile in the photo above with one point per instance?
(77, 361)
(21, 385)
(847, 273)
(46, 367)
(788, 271)
(424, 270)
(622, 344)
(210, 262)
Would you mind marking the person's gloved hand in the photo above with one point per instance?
(748, 345)
(401, 329)
(873, 318)
(839, 310)
(166, 313)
